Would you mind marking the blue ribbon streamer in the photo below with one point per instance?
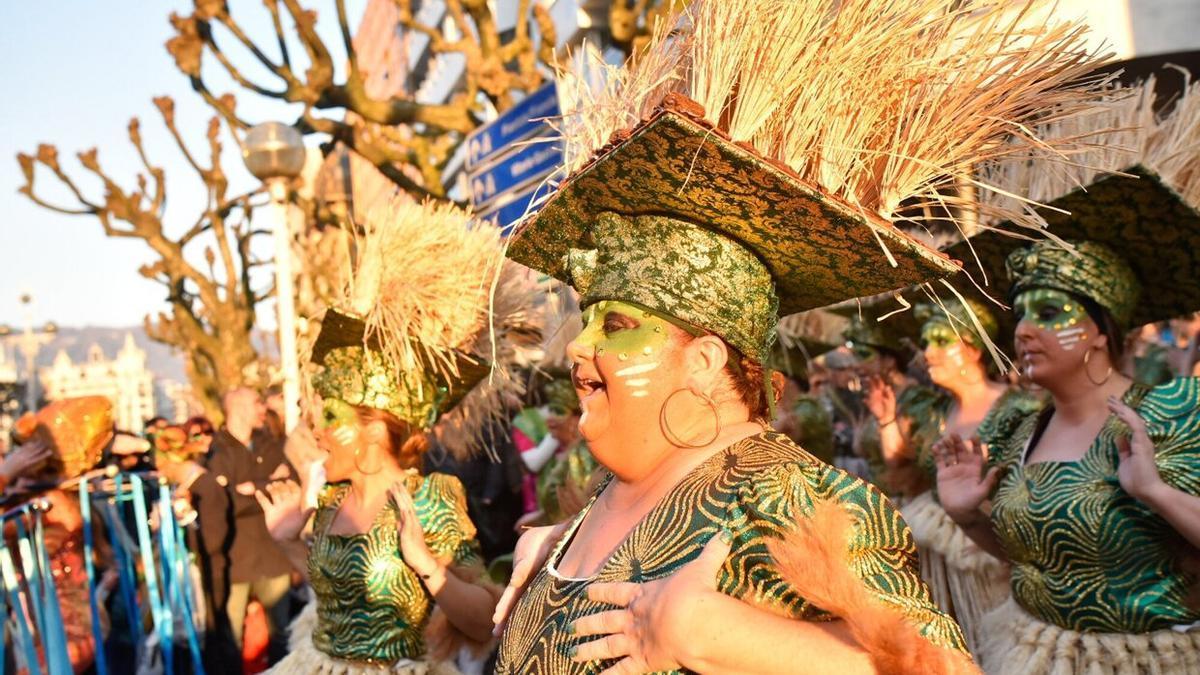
(13, 586)
(175, 555)
(89, 548)
(160, 612)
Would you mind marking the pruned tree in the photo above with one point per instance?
(212, 306)
(631, 22)
(410, 142)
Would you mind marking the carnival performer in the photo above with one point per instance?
(394, 562)
(1095, 500)
(717, 545)
(965, 581)
(882, 353)
(76, 431)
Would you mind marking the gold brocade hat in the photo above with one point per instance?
(751, 161)
(431, 325)
(76, 429)
(1130, 239)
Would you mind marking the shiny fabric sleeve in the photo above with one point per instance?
(1172, 414)
(881, 553)
(441, 503)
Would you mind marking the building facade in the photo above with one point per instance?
(124, 380)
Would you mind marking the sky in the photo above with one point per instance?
(73, 72)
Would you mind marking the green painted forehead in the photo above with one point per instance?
(624, 329)
(1092, 270)
(939, 333)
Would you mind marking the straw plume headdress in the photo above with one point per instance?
(430, 324)
(1121, 218)
(794, 129)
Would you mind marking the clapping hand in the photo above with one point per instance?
(1137, 471)
(963, 485)
(283, 510)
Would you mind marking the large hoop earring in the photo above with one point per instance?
(359, 466)
(675, 439)
(1087, 356)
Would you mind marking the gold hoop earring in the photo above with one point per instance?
(359, 466)
(675, 439)
(1087, 357)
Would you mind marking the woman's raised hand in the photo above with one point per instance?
(963, 485)
(1137, 472)
(411, 536)
(283, 509)
(881, 400)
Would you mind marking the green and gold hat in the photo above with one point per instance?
(1126, 210)
(418, 331)
(961, 316)
(724, 184)
(683, 221)
(1136, 249)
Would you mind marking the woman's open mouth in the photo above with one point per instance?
(585, 386)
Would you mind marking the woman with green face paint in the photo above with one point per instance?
(1096, 500)
(965, 580)
(393, 559)
(716, 544)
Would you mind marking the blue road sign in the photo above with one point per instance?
(527, 163)
(512, 207)
(521, 121)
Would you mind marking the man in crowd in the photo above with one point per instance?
(258, 569)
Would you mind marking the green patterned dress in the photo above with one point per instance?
(371, 607)
(756, 489)
(1086, 556)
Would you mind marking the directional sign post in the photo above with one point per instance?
(509, 159)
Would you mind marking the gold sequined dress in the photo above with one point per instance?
(1100, 583)
(756, 489)
(371, 609)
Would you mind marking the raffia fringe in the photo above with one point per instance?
(965, 581)
(305, 659)
(1019, 644)
(933, 529)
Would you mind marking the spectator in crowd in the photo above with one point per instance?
(200, 432)
(257, 567)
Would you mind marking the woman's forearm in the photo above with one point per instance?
(1180, 509)
(893, 444)
(980, 531)
(738, 637)
(468, 606)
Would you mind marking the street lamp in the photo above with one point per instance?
(30, 342)
(274, 153)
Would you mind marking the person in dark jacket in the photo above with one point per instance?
(258, 569)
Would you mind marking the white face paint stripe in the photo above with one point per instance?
(640, 393)
(636, 370)
(1069, 338)
(640, 382)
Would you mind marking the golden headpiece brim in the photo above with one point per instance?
(818, 249)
